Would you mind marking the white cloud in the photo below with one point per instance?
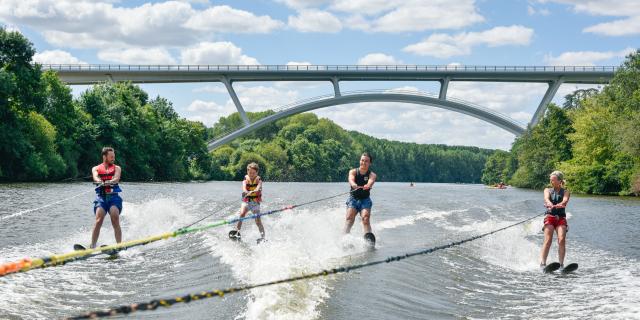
(378, 59)
(200, 106)
(506, 97)
(444, 46)
(358, 22)
(193, 1)
(227, 19)
(585, 58)
(530, 10)
(416, 123)
(407, 15)
(56, 57)
(390, 15)
(628, 9)
(630, 26)
(296, 63)
(137, 56)
(302, 4)
(419, 15)
(367, 7)
(215, 53)
(88, 24)
(258, 98)
(208, 112)
(521, 116)
(10, 28)
(78, 40)
(404, 89)
(315, 21)
(604, 8)
(211, 88)
(533, 11)
(252, 97)
(568, 88)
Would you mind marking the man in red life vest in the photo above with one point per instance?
(107, 176)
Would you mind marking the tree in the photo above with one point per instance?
(575, 99)
(606, 154)
(541, 149)
(498, 168)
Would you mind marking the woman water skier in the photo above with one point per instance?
(555, 200)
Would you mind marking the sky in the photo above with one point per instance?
(339, 32)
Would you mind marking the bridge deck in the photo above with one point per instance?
(89, 74)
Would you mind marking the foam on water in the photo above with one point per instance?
(606, 286)
(412, 219)
(299, 241)
(47, 293)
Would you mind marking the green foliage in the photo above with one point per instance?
(47, 136)
(174, 149)
(595, 140)
(575, 99)
(500, 166)
(542, 148)
(42, 161)
(305, 148)
(606, 142)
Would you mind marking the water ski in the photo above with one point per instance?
(261, 240)
(112, 253)
(551, 267)
(235, 235)
(370, 239)
(570, 268)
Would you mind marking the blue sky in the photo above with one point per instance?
(533, 32)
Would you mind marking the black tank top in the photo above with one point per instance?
(555, 198)
(361, 180)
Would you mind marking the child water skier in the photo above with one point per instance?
(251, 198)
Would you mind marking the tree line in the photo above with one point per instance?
(305, 148)
(594, 138)
(48, 135)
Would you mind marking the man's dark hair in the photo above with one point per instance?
(366, 154)
(106, 150)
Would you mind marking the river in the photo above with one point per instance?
(493, 277)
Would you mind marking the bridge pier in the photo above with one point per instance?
(444, 85)
(236, 100)
(542, 107)
(336, 86)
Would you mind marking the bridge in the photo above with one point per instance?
(553, 76)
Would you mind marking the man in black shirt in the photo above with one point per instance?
(361, 180)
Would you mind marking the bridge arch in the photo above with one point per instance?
(412, 97)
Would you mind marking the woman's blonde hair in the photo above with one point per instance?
(558, 175)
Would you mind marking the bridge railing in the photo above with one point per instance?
(387, 91)
(364, 68)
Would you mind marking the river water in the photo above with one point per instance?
(493, 277)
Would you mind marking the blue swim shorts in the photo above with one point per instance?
(106, 202)
(359, 204)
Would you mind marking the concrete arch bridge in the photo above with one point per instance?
(553, 76)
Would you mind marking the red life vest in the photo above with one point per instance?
(252, 185)
(107, 174)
